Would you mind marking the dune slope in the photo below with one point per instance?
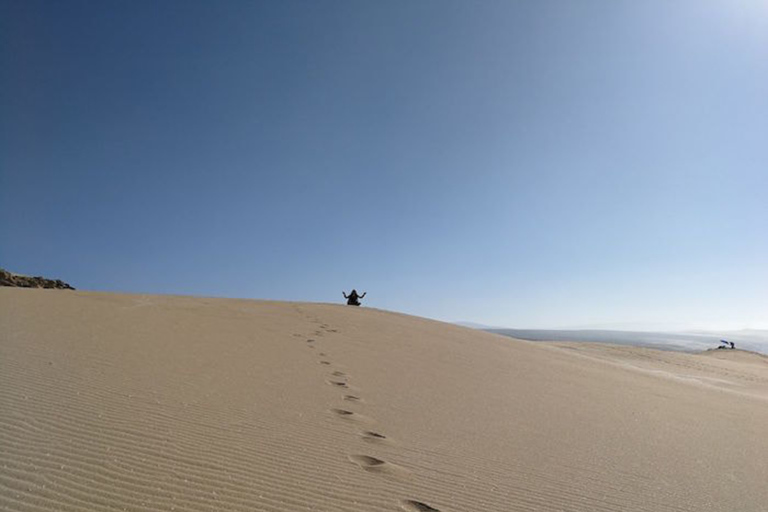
(128, 402)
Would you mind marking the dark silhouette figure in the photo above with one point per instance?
(353, 299)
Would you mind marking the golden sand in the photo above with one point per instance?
(129, 402)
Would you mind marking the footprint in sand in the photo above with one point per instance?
(374, 465)
(353, 398)
(310, 340)
(353, 416)
(373, 437)
(339, 374)
(338, 383)
(325, 362)
(322, 354)
(417, 506)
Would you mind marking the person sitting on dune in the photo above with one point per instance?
(353, 299)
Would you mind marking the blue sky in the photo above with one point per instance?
(526, 164)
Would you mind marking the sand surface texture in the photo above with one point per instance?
(128, 402)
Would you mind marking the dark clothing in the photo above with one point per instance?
(353, 299)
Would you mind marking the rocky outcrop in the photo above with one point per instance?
(11, 279)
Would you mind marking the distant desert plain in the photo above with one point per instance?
(113, 402)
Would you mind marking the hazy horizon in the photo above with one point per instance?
(537, 165)
(751, 340)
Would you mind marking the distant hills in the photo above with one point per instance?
(683, 340)
(693, 341)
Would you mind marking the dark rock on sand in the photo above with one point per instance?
(18, 280)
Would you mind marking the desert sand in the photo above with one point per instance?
(139, 402)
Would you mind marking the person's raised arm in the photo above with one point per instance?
(345, 295)
(363, 295)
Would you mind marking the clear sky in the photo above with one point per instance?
(533, 164)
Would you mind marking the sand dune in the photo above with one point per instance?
(127, 402)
